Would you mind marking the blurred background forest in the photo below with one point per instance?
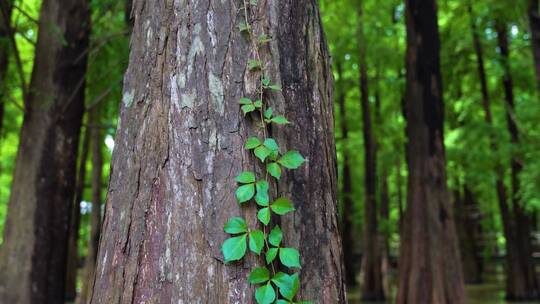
(492, 130)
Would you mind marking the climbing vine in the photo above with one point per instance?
(267, 239)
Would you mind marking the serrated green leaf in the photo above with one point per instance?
(268, 113)
(261, 197)
(235, 225)
(280, 120)
(264, 215)
(275, 87)
(259, 275)
(245, 101)
(245, 193)
(262, 152)
(265, 294)
(258, 103)
(282, 206)
(248, 108)
(252, 143)
(289, 257)
(246, 177)
(274, 169)
(275, 236)
(291, 160)
(234, 248)
(271, 255)
(256, 241)
(254, 64)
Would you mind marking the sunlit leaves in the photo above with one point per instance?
(287, 284)
(259, 275)
(265, 294)
(264, 215)
(256, 241)
(236, 225)
(262, 197)
(234, 248)
(275, 236)
(291, 160)
(274, 169)
(246, 177)
(289, 257)
(245, 193)
(271, 255)
(282, 206)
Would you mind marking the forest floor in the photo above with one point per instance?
(491, 291)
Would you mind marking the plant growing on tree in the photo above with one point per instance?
(273, 287)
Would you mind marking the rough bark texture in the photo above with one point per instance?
(33, 256)
(430, 267)
(347, 226)
(523, 283)
(534, 23)
(179, 147)
(372, 287)
(5, 17)
(75, 222)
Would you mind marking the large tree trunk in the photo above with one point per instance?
(523, 284)
(179, 146)
(5, 18)
(33, 256)
(534, 22)
(347, 227)
(430, 267)
(75, 222)
(372, 287)
(95, 216)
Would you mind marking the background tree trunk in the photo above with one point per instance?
(524, 284)
(430, 268)
(33, 256)
(179, 146)
(347, 229)
(534, 22)
(73, 258)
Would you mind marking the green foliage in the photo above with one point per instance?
(267, 151)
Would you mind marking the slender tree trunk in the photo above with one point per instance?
(95, 216)
(524, 283)
(179, 146)
(430, 267)
(347, 233)
(534, 22)
(5, 18)
(75, 222)
(33, 256)
(372, 287)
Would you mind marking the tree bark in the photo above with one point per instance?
(5, 18)
(95, 215)
(372, 287)
(523, 284)
(75, 222)
(347, 229)
(534, 23)
(33, 256)
(179, 146)
(430, 267)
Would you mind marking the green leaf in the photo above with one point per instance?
(266, 82)
(304, 302)
(265, 294)
(281, 301)
(291, 160)
(235, 225)
(252, 143)
(261, 197)
(268, 113)
(258, 103)
(243, 26)
(245, 193)
(256, 241)
(271, 255)
(246, 177)
(280, 120)
(245, 101)
(253, 2)
(234, 248)
(254, 64)
(275, 236)
(288, 284)
(289, 257)
(264, 215)
(248, 108)
(259, 275)
(274, 169)
(282, 206)
(271, 144)
(275, 87)
(264, 39)
(262, 152)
